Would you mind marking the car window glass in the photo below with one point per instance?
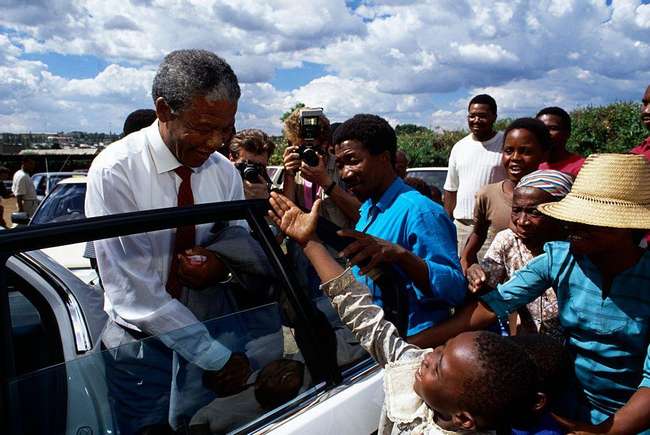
(33, 329)
(432, 178)
(66, 202)
(348, 349)
(106, 390)
(39, 184)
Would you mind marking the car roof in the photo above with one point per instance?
(75, 179)
(428, 168)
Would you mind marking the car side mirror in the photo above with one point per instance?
(20, 218)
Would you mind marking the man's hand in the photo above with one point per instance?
(295, 223)
(231, 379)
(291, 159)
(476, 278)
(199, 268)
(317, 174)
(257, 190)
(367, 251)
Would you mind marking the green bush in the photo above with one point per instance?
(613, 128)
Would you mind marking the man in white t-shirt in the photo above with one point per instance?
(474, 162)
(23, 187)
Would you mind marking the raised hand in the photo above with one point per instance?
(295, 223)
(368, 251)
(476, 278)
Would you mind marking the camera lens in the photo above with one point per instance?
(251, 174)
(310, 157)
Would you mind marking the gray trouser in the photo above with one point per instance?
(463, 230)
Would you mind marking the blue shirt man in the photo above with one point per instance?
(404, 234)
(405, 217)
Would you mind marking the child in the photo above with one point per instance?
(554, 371)
(513, 247)
(526, 143)
(475, 382)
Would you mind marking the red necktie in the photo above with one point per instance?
(184, 235)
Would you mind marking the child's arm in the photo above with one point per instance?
(366, 320)
(351, 300)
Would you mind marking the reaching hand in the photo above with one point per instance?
(295, 223)
(476, 278)
(368, 251)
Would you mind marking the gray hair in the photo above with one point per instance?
(184, 74)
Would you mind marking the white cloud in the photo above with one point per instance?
(395, 58)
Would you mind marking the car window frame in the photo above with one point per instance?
(253, 211)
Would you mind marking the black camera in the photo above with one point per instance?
(252, 171)
(310, 130)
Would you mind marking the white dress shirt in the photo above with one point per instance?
(137, 173)
(472, 165)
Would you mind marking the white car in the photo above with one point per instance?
(52, 372)
(66, 203)
(434, 175)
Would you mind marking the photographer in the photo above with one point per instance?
(250, 151)
(310, 170)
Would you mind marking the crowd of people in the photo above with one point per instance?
(517, 303)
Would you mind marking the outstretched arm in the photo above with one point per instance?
(351, 299)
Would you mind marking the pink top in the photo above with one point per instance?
(570, 165)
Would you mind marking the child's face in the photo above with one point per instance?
(529, 223)
(439, 380)
(521, 154)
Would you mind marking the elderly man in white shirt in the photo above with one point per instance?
(145, 276)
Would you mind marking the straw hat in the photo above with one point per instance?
(611, 190)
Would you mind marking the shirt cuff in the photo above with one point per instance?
(495, 302)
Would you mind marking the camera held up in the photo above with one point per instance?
(252, 171)
(310, 129)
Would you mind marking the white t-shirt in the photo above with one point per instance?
(23, 185)
(473, 164)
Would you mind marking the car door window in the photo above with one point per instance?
(36, 346)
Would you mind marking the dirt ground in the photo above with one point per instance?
(9, 207)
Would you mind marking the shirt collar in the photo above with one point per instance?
(163, 159)
(389, 196)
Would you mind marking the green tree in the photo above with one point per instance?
(286, 114)
(613, 128)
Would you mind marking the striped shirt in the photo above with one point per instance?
(473, 164)
(607, 333)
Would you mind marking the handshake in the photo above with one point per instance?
(199, 268)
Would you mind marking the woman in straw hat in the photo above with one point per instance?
(602, 280)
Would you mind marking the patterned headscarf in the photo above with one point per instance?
(557, 183)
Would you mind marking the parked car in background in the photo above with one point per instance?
(434, 176)
(52, 371)
(64, 203)
(44, 182)
(275, 174)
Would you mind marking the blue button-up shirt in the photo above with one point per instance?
(608, 333)
(405, 217)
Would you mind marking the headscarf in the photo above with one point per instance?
(557, 183)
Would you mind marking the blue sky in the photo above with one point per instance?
(85, 64)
